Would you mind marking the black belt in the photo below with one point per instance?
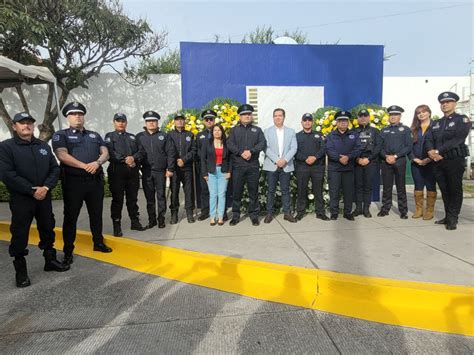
(84, 178)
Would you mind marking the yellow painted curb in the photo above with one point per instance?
(436, 307)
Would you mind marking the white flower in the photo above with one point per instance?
(321, 121)
(198, 121)
(318, 128)
(372, 125)
(218, 120)
(333, 122)
(216, 107)
(222, 107)
(311, 196)
(219, 113)
(376, 120)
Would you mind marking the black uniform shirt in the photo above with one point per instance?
(396, 140)
(83, 145)
(122, 145)
(200, 140)
(185, 147)
(27, 164)
(370, 141)
(448, 133)
(242, 138)
(160, 152)
(310, 144)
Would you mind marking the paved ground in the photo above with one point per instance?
(387, 247)
(101, 308)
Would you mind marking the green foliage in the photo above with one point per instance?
(355, 110)
(319, 113)
(219, 101)
(165, 124)
(168, 63)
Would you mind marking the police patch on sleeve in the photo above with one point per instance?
(466, 119)
(56, 138)
(107, 139)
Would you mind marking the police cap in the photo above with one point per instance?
(151, 115)
(363, 112)
(120, 117)
(448, 96)
(209, 114)
(74, 107)
(21, 116)
(179, 116)
(245, 108)
(395, 110)
(342, 115)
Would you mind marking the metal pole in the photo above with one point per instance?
(469, 137)
(57, 105)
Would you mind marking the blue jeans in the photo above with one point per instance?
(217, 184)
(273, 178)
(423, 176)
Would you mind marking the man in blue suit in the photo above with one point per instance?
(278, 163)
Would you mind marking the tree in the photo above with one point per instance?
(168, 63)
(79, 39)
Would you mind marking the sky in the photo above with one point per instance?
(431, 38)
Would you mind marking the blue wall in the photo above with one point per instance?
(350, 74)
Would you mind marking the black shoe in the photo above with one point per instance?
(102, 248)
(117, 229)
(234, 221)
(137, 226)
(333, 217)
(268, 219)
(357, 212)
(190, 217)
(349, 217)
(51, 263)
(441, 221)
(450, 226)
(300, 216)
(255, 221)
(68, 259)
(225, 217)
(367, 214)
(150, 225)
(289, 218)
(322, 217)
(403, 216)
(174, 218)
(203, 216)
(382, 213)
(161, 222)
(21, 273)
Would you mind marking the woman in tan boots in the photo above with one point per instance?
(421, 165)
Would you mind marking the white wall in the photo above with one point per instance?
(106, 95)
(409, 92)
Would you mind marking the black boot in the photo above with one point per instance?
(161, 222)
(117, 228)
(136, 225)
(151, 224)
(357, 211)
(190, 216)
(22, 279)
(225, 217)
(51, 263)
(174, 217)
(68, 259)
(204, 215)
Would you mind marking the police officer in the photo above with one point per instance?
(159, 164)
(29, 172)
(81, 153)
(397, 143)
(208, 117)
(185, 154)
(245, 143)
(310, 163)
(343, 147)
(366, 163)
(447, 149)
(123, 172)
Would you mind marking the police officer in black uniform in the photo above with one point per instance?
(366, 164)
(81, 153)
(202, 193)
(447, 149)
(245, 143)
(29, 172)
(343, 147)
(123, 172)
(159, 163)
(185, 154)
(310, 163)
(397, 143)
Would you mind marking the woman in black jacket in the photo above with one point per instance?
(215, 168)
